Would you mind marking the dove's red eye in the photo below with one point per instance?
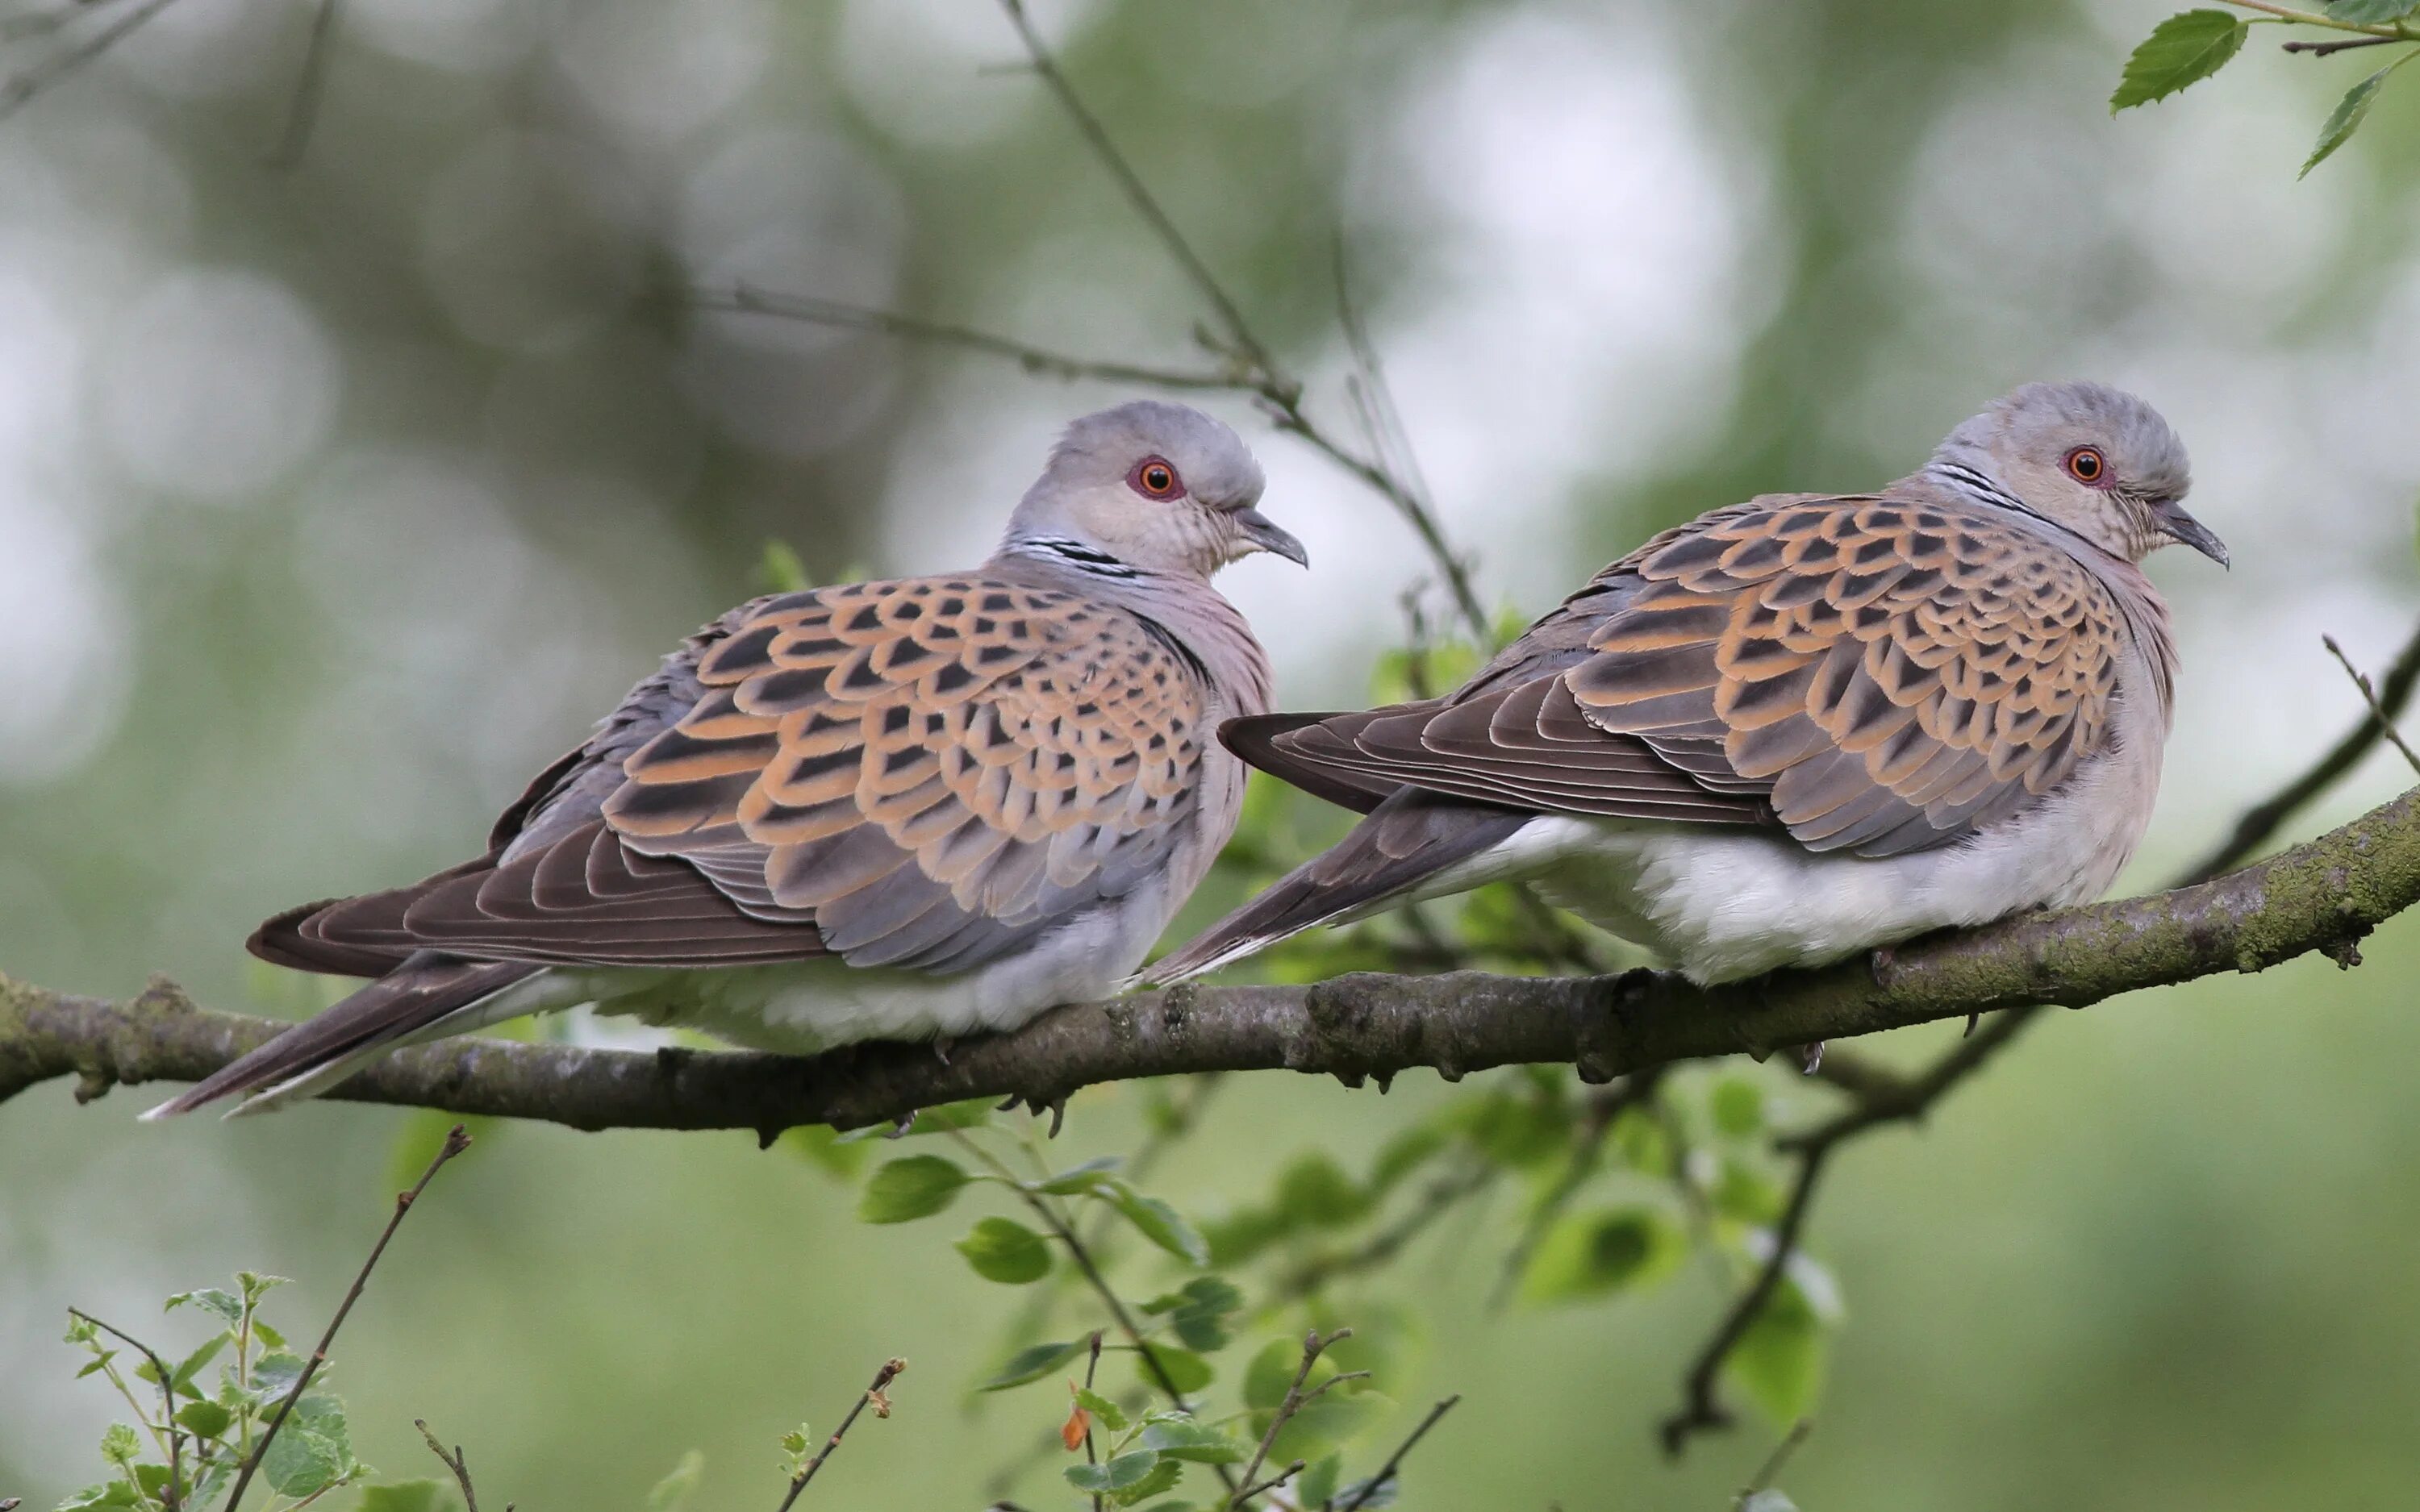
(2088, 466)
(1153, 478)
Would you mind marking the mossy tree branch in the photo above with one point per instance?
(2322, 896)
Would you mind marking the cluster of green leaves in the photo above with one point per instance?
(1142, 1409)
(206, 1430)
(1614, 1193)
(2191, 45)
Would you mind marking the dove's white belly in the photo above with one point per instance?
(801, 1007)
(1723, 905)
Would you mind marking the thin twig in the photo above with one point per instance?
(20, 91)
(2264, 819)
(457, 1462)
(1255, 1488)
(1605, 1106)
(2329, 48)
(1769, 1471)
(175, 1494)
(2369, 696)
(744, 299)
(1701, 1408)
(1146, 204)
(873, 1397)
(1313, 1345)
(1901, 1099)
(309, 85)
(1092, 1373)
(1394, 1461)
(456, 1141)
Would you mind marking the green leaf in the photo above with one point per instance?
(1005, 1251)
(256, 1285)
(1187, 1371)
(98, 1362)
(1322, 1425)
(1737, 1106)
(673, 1491)
(1316, 1487)
(1080, 1178)
(273, 1375)
(1159, 1223)
(916, 1187)
(410, 1496)
(1113, 1475)
(116, 1493)
(1181, 1438)
(206, 1420)
(212, 1298)
(1779, 1361)
(779, 569)
(1197, 1312)
(1407, 1152)
(1602, 1252)
(1243, 1234)
(1746, 1194)
(1031, 1363)
(300, 1463)
(118, 1444)
(1104, 1412)
(2370, 12)
(1314, 1192)
(2346, 118)
(821, 1145)
(1163, 1477)
(191, 1364)
(2182, 50)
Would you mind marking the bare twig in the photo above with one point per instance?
(1092, 1373)
(1605, 1106)
(1313, 1345)
(1395, 1461)
(173, 1495)
(2385, 721)
(2329, 48)
(873, 1397)
(20, 91)
(458, 1462)
(1237, 335)
(1769, 1471)
(745, 299)
(456, 1141)
(2264, 819)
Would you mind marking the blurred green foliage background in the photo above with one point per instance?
(335, 497)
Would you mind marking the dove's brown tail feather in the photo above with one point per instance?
(1406, 842)
(416, 996)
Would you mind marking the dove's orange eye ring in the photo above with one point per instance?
(1153, 478)
(2086, 466)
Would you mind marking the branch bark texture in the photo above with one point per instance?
(2323, 896)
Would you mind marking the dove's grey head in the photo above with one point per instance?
(1149, 486)
(2095, 459)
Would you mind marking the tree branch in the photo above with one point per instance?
(2321, 896)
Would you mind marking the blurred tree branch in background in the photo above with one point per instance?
(1386, 467)
(2324, 895)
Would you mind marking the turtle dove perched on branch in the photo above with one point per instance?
(890, 809)
(1796, 727)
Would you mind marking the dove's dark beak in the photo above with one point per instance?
(1265, 535)
(2184, 530)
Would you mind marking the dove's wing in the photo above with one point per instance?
(1874, 674)
(922, 773)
